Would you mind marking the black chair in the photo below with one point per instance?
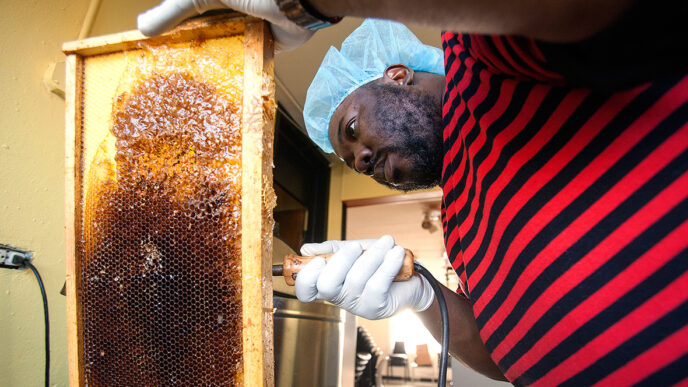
(368, 356)
(362, 362)
(398, 358)
(376, 367)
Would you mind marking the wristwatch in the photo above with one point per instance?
(304, 15)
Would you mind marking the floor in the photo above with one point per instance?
(400, 383)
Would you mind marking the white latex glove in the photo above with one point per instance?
(169, 13)
(362, 283)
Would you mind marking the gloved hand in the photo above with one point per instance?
(362, 283)
(169, 13)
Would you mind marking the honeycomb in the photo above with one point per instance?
(160, 248)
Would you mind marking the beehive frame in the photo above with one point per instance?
(256, 188)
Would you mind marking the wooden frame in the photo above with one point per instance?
(73, 66)
(257, 194)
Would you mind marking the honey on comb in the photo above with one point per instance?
(161, 257)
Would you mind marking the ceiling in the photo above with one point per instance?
(295, 69)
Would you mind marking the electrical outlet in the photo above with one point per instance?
(13, 258)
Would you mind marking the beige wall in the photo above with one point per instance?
(345, 184)
(31, 175)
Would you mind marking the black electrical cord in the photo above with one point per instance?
(444, 313)
(47, 320)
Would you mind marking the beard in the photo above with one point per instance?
(412, 124)
(425, 159)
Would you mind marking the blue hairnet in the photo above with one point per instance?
(364, 56)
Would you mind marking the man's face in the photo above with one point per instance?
(391, 132)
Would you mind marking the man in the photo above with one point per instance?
(561, 146)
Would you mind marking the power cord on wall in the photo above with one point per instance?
(47, 320)
(13, 258)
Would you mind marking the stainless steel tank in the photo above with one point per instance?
(308, 336)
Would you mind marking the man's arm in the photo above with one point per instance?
(548, 20)
(556, 21)
(465, 344)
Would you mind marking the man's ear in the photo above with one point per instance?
(399, 74)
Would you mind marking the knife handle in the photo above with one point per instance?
(294, 263)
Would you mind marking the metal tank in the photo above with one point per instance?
(308, 336)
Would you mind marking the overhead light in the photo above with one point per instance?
(430, 218)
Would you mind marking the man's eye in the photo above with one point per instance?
(351, 128)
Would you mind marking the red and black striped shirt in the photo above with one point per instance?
(565, 212)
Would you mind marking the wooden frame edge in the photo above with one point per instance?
(73, 68)
(269, 199)
(207, 27)
(257, 136)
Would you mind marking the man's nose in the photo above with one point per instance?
(363, 159)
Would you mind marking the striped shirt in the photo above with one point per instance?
(565, 212)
